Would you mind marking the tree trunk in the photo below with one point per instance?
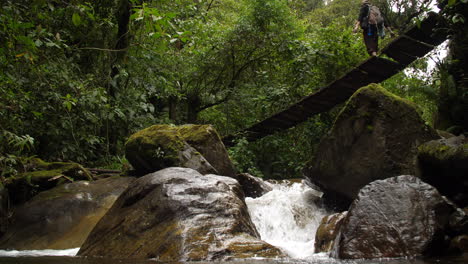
(122, 41)
(193, 107)
(173, 108)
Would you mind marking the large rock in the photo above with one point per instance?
(252, 186)
(396, 217)
(444, 164)
(177, 214)
(374, 137)
(459, 222)
(327, 231)
(191, 146)
(62, 218)
(207, 141)
(459, 231)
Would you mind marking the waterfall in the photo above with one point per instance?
(287, 218)
(38, 253)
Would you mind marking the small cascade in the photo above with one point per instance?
(39, 253)
(288, 218)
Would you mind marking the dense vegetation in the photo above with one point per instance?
(78, 77)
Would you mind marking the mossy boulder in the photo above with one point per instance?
(327, 231)
(62, 217)
(41, 176)
(444, 164)
(192, 146)
(178, 214)
(207, 141)
(375, 136)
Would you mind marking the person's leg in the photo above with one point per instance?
(371, 41)
(375, 41)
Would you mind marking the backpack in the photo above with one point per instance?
(375, 17)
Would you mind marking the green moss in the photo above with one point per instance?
(155, 147)
(165, 136)
(45, 171)
(158, 142)
(373, 91)
(376, 90)
(442, 152)
(198, 133)
(159, 146)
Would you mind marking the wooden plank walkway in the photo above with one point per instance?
(413, 44)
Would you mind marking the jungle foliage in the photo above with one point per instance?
(78, 77)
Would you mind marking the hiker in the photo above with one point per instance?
(371, 22)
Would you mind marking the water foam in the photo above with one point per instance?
(39, 253)
(287, 218)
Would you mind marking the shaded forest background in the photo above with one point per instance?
(77, 78)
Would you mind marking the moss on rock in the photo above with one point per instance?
(441, 152)
(375, 136)
(41, 176)
(198, 133)
(444, 164)
(194, 146)
(354, 110)
(206, 139)
(154, 148)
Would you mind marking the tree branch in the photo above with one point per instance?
(209, 5)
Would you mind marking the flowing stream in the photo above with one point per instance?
(287, 218)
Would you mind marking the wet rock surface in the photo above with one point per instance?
(374, 137)
(396, 217)
(177, 214)
(191, 146)
(444, 164)
(459, 221)
(253, 186)
(61, 218)
(327, 232)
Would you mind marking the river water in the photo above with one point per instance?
(285, 217)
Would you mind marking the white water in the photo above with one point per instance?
(285, 217)
(39, 253)
(288, 219)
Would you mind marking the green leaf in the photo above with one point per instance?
(38, 43)
(37, 114)
(451, 2)
(91, 16)
(67, 105)
(76, 19)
